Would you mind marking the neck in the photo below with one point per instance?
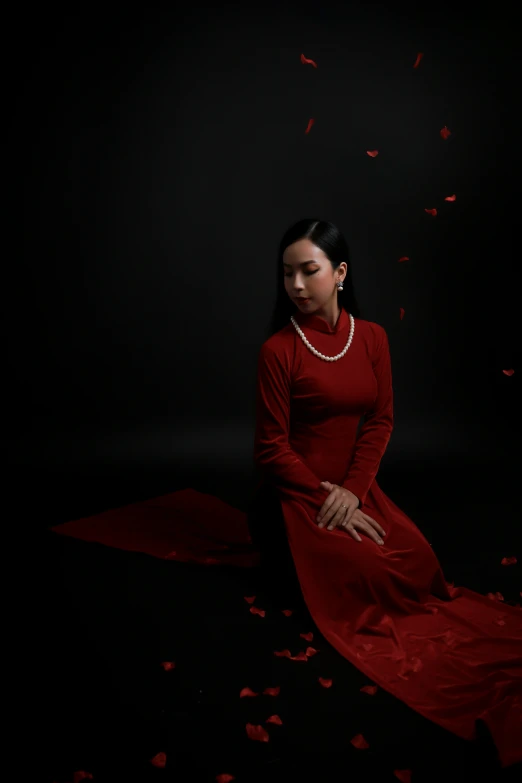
(329, 313)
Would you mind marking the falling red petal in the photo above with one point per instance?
(159, 760)
(372, 153)
(359, 742)
(274, 719)
(401, 311)
(370, 689)
(247, 692)
(255, 610)
(403, 258)
(82, 775)
(325, 683)
(224, 778)
(508, 561)
(168, 665)
(282, 653)
(311, 651)
(272, 691)
(250, 599)
(451, 198)
(445, 132)
(431, 212)
(305, 60)
(404, 775)
(310, 123)
(301, 656)
(508, 372)
(308, 636)
(287, 612)
(419, 58)
(257, 733)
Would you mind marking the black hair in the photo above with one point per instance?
(331, 241)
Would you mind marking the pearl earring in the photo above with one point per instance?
(340, 285)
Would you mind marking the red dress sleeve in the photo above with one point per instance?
(376, 430)
(273, 454)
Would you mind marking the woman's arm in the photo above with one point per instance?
(272, 452)
(376, 430)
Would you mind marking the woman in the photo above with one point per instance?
(324, 528)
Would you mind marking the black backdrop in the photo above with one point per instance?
(158, 158)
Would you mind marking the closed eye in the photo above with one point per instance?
(289, 274)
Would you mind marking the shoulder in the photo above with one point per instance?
(278, 347)
(374, 335)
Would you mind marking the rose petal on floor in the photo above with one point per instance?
(372, 153)
(249, 598)
(325, 683)
(159, 760)
(371, 690)
(255, 610)
(247, 692)
(82, 775)
(224, 778)
(301, 656)
(419, 58)
(431, 212)
(451, 198)
(306, 61)
(508, 561)
(283, 653)
(309, 637)
(274, 719)
(257, 733)
(310, 123)
(310, 651)
(287, 612)
(404, 775)
(403, 258)
(168, 665)
(445, 132)
(359, 742)
(272, 691)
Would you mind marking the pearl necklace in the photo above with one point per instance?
(321, 355)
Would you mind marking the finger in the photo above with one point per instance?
(337, 518)
(353, 532)
(375, 524)
(324, 516)
(368, 530)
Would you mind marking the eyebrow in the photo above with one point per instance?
(303, 263)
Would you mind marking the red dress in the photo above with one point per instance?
(451, 654)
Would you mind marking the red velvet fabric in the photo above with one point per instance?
(451, 654)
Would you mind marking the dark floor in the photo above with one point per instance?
(105, 705)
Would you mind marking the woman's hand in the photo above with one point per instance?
(332, 512)
(350, 518)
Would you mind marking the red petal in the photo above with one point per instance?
(401, 311)
(249, 598)
(419, 58)
(325, 683)
(403, 258)
(372, 153)
(508, 561)
(310, 123)
(159, 760)
(404, 775)
(168, 665)
(301, 656)
(508, 372)
(445, 132)
(247, 692)
(308, 636)
(451, 198)
(370, 689)
(311, 651)
(287, 612)
(282, 653)
(274, 719)
(81, 775)
(272, 691)
(359, 742)
(431, 212)
(305, 60)
(255, 610)
(224, 778)
(256, 733)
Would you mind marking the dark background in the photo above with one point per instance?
(158, 156)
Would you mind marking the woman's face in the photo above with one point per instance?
(309, 275)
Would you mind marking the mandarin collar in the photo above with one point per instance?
(319, 324)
